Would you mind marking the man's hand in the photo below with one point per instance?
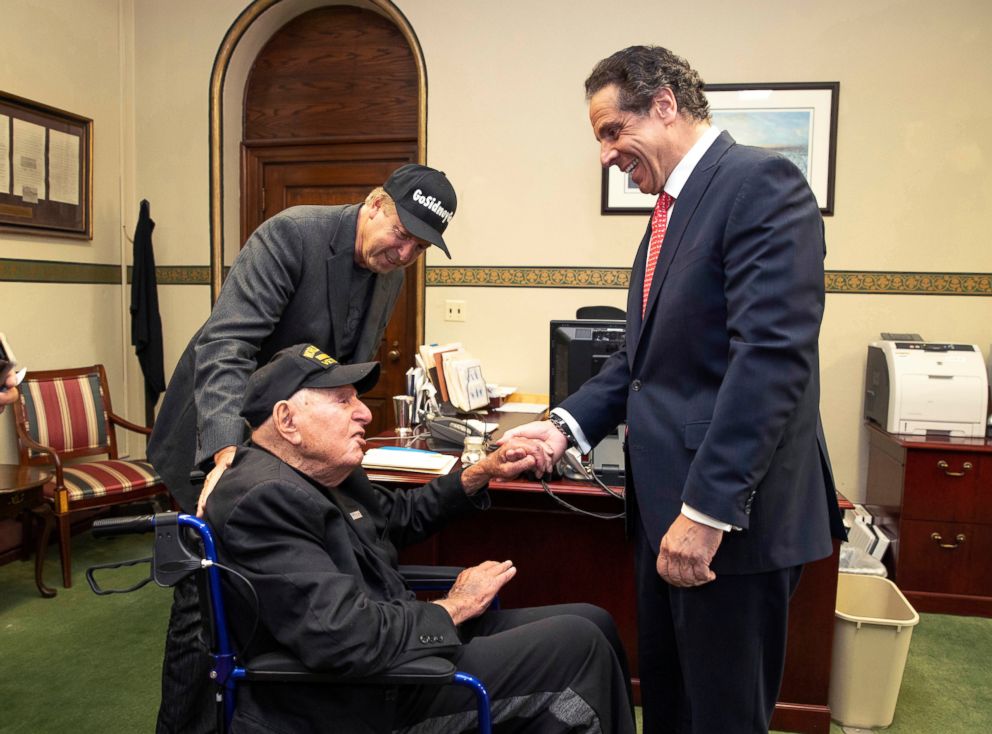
(554, 443)
(10, 395)
(222, 460)
(475, 588)
(686, 552)
(510, 460)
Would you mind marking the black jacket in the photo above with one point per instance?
(324, 565)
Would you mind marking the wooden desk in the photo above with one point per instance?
(562, 556)
(21, 492)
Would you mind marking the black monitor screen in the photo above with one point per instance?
(579, 347)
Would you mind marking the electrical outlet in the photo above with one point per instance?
(454, 310)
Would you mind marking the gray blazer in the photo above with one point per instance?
(289, 284)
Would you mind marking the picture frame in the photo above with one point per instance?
(798, 119)
(46, 170)
(621, 196)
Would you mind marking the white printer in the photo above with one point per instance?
(921, 387)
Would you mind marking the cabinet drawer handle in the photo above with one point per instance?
(966, 467)
(950, 546)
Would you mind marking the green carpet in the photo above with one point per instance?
(80, 663)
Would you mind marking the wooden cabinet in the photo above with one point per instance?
(934, 496)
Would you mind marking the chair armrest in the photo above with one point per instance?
(41, 448)
(124, 423)
(430, 574)
(280, 667)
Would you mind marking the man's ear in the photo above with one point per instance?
(665, 105)
(284, 421)
(376, 206)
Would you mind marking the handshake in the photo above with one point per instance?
(534, 447)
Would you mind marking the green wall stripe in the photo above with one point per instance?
(837, 281)
(48, 271)
(53, 271)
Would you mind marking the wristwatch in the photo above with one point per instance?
(559, 423)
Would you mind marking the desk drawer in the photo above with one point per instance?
(945, 557)
(943, 485)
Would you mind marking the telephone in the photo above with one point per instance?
(453, 430)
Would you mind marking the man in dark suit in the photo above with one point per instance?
(728, 481)
(318, 542)
(325, 274)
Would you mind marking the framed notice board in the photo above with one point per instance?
(46, 170)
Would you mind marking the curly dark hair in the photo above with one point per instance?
(640, 72)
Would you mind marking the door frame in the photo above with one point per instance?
(256, 23)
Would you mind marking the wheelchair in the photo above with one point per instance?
(172, 560)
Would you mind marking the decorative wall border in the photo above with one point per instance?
(52, 271)
(912, 284)
(872, 282)
(49, 271)
(836, 281)
(518, 277)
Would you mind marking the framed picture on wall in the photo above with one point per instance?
(46, 176)
(796, 119)
(621, 195)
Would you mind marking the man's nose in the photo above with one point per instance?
(407, 251)
(362, 413)
(607, 154)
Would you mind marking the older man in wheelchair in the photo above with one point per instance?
(297, 517)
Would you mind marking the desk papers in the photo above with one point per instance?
(399, 458)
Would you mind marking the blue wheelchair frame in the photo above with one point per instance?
(172, 561)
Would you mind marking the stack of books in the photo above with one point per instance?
(456, 375)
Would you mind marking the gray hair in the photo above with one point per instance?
(640, 72)
(379, 193)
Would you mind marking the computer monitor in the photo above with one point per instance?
(579, 347)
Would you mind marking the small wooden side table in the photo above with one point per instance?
(20, 492)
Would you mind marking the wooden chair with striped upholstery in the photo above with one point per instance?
(62, 420)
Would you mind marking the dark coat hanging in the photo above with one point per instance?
(146, 323)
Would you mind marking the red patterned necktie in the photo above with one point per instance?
(659, 225)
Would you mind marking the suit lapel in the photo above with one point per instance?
(636, 288)
(685, 208)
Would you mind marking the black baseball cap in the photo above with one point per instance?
(294, 368)
(425, 201)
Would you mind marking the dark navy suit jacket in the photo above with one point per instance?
(719, 383)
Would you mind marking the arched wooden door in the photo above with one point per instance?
(330, 110)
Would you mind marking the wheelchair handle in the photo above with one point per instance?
(123, 525)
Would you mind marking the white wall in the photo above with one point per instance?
(507, 121)
(68, 55)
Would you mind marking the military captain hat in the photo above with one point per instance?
(294, 368)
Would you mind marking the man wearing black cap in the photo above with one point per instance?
(325, 274)
(296, 515)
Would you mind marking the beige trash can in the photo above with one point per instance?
(873, 625)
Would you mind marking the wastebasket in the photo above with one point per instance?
(873, 624)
